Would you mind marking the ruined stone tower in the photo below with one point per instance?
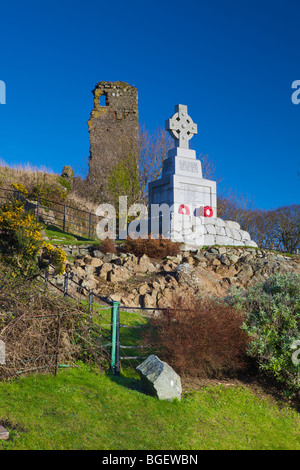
(113, 130)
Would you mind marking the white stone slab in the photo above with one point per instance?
(232, 233)
(2, 353)
(222, 240)
(245, 235)
(233, 225)
(180, 152)
(209, 239)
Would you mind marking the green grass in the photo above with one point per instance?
(130, 335)
(83, 409)
(58, 237)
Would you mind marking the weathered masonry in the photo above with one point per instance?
(113, 130)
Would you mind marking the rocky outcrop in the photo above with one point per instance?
(141, 281)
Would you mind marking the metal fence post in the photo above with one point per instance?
(46, 277)
(117, 368)
(66, 285)
(64, 221)
(114, 334)
(91, 304)
(90, 224)
(38, 207)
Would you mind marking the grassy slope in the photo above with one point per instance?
(83, 409)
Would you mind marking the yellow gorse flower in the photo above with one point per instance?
(23, 228)
(20, 187)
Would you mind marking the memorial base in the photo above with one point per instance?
(200, 231)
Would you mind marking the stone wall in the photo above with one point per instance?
(143, 282)
(113, 130)
(208, 231)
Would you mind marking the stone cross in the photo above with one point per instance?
(181, 126)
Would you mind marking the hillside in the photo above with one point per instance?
(152, 282)
(83, 406)
(80, 409)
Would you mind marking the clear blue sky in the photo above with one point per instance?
(231, 62)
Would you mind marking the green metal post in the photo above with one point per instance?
(114, 317)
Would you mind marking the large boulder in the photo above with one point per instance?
(160, 379)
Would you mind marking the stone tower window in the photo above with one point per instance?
(103, 100)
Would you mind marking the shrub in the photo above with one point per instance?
(42, 329)
(107, 246)
(272, 312)
(65, 183)
(21, 238)
(55, 192)
(20, 188)
(200, 337)
(154, 248)
(21, 241)
(54, 256)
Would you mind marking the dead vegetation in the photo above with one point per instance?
(200, 337)
(42, 330)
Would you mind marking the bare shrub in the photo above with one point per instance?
(154, 248)
(42, 330)
(200, 337)
(107, 246)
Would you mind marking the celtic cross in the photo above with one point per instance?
(181, 126)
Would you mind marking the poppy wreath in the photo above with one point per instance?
(208, 212)
(183, 209)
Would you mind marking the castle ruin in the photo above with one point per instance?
(113, 130)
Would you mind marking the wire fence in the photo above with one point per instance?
(97, 322)
(113, 327)
(62, 216)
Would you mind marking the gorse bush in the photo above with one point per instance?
(272, 320)
(21, 238)
(21, 241)
(55, 192)
(54, 256)
(20, 188)
(200, 337)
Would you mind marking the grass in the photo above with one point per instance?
(58, 237)
(82, 408)
(131, 325)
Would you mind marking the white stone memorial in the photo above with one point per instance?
(183, 204)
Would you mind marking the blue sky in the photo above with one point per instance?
(231, 62)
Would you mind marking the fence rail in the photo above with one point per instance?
(42, 208)
(65, 217)
(116, 310)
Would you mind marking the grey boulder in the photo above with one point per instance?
(160, 379)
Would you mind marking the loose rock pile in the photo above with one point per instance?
(141, 281)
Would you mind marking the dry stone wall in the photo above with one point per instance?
(141, 281)
(206, 231)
